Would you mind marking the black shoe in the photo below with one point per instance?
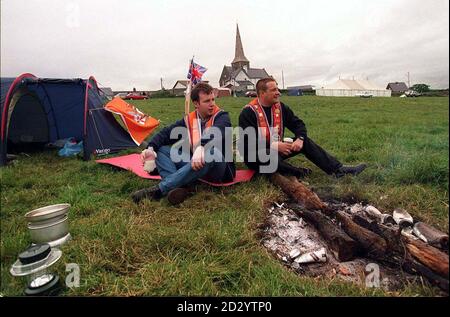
(11, 157)
(286, 168)
(353, 170)
(178, 195)
(153, 193)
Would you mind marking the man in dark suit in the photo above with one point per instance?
(270, 117)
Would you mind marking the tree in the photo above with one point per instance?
(421, 88)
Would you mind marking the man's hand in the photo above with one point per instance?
(198, 158)
(148, 155)
(297, 145)
(282, 147)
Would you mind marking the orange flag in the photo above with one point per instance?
(139, 125)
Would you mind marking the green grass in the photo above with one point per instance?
(209, 245)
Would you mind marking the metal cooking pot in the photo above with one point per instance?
(46, 213)
(49, 231)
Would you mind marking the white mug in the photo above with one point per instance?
(149, 166)
(311, 257)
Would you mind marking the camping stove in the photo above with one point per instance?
(35, 263)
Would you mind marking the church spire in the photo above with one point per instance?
(239, 58)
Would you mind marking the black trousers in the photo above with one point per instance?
(313, 152)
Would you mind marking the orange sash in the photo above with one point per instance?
(193, 122)
(263, 124)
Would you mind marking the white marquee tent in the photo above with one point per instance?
(351, 88)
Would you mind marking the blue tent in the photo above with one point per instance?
(43, 110)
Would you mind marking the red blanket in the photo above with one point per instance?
(133, 163)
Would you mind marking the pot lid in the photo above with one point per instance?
(35, 253)
(39, 264)
(47, 212)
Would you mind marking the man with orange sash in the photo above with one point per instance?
(181, 166)
(269, 117)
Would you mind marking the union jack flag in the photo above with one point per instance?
(195, 72)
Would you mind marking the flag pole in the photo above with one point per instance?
(187, 101)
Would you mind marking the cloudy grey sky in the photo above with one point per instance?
(134, 43)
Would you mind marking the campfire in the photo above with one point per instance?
(355, 242)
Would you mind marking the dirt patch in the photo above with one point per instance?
(288, 236)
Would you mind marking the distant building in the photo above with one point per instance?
(180, 87)
(397, 87)
(305, 88)
(300, 90)
(352, 88)
(222, 92)
(240, 77)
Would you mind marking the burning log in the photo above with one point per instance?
(429, 256)
(380, 242)
(426, 254)
(343, 247)
(372, 243)
(414, 267)
(431, 235)
(375, 245)
(413, 255)
(389, 234)
(297, 191)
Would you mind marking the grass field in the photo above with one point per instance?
(208, 245)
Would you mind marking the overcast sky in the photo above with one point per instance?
(134, 43)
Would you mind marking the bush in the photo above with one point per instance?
(421, 88)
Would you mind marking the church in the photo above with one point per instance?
(240, 77)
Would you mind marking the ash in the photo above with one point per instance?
(288, 236)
